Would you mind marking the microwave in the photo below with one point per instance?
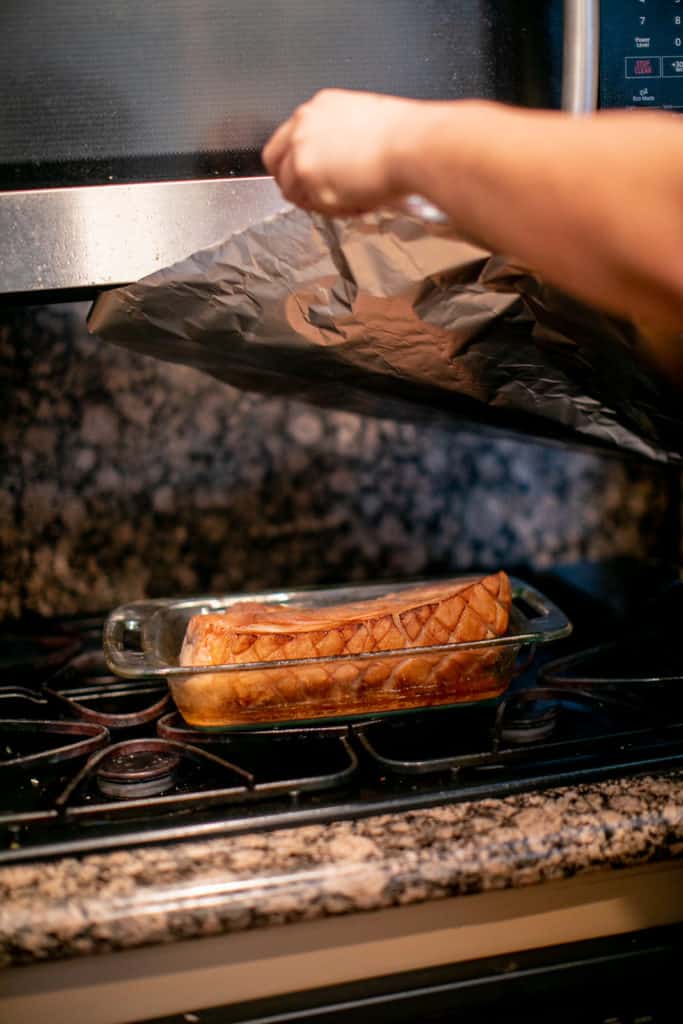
(130, 134)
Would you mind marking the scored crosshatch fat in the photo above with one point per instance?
(218, 684)
(452, 612)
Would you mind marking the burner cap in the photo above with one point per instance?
(137, 772)
(529, 721)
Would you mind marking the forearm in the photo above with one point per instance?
(593, 204)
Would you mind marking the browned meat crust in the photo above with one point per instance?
(442, 613)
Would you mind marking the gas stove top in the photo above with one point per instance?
(91, 762)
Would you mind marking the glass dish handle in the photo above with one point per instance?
(549, 621)
(121, 629)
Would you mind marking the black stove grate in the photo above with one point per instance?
(85, 688)
(90, 762)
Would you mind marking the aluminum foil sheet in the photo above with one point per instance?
(382, 316)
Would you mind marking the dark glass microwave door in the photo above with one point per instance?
(123, 90)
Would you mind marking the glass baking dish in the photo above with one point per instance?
(144, 640)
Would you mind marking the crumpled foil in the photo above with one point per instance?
(380, 316)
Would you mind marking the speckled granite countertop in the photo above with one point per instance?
(160, 894)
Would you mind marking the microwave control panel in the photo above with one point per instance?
(641, 54)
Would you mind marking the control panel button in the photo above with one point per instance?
(644, 97)
(672, 67)
(643, 67)
(641, 55)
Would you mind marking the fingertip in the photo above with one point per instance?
(286, 176)
(276, 147)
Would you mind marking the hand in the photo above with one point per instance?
(339, 153)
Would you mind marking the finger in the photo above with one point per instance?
(292, 185)
(299, 195)
(276, 147)
(287, 178)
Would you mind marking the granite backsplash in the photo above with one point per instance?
(124, 477)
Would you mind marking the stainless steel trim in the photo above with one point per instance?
(104, 235)
(580, 68)
(110, 234)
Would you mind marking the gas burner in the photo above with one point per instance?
(139, 772)
(137, 769)
(528, 721)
